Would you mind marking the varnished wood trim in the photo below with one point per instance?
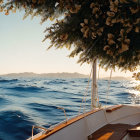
(135, 131)
(113, 108)
(65, 124)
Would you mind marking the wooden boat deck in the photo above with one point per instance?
(135, 131)
(110, 132)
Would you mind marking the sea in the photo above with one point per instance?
(25, 102)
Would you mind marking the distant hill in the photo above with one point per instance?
(58, 75)
(49, 75)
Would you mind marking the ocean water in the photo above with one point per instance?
(34, 101)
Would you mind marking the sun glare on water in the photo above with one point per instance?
(135, 94)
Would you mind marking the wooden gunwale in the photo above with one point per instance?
(65, 124)
(113, 108)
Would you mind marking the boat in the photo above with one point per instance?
(115, 122)
(109, 29)
(120, 122)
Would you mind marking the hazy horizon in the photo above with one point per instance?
(64, 73)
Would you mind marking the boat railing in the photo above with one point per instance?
(64, 112)
(45, 129)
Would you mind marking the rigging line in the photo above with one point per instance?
(85, 94)
(108, 89)
(104, 110)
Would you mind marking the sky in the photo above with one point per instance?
(22, 49)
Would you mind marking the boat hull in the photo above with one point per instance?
(84, 125)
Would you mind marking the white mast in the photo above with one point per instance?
(94, 85)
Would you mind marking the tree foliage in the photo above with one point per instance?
(108, 30)
(137, 77)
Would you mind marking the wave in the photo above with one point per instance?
(63, 93)
(16, 122)
(86, 81)
(123, 94)
(107, 103)
(3, 101)
(48, 108)
(26, 88)
(72, 81)
(42, 108)
(7, 81)
(54, 82)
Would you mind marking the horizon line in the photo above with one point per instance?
(59, 73)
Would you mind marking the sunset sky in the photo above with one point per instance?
(22, 50)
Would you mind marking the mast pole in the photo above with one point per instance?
(94, 85)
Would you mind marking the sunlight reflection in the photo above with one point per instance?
(135, 94)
